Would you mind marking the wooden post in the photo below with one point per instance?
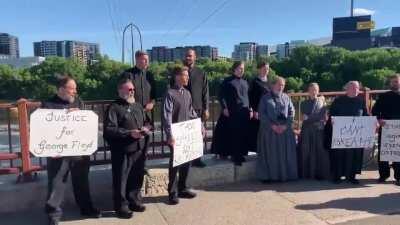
(24, 139)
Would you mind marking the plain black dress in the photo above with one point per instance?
(345, 162)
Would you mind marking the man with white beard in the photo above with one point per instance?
(58, 168)
(126, 127)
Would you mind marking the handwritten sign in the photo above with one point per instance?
(55, 132)
(188, 141)
(390, 141)
(353, 132)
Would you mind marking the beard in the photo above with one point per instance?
(68, 98)
(130, 98)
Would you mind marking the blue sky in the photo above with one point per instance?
(174, 22)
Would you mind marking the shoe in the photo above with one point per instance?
(397, 182)
(137, 207)
(173, 200)
(52, 221)
(382, 180)
(198, 163)
(354, 181)
(337, 181)
(91, 213)
(124, 213)
(238, 163)
(265, 181)
(187, 194)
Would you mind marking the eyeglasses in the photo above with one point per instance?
(131, 89)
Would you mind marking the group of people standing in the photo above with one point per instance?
(256, 117)
(259, 118)
(127, 126)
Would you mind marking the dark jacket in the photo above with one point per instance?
(144, 83)
(198, 87)
(56, 102)
(387, 106)
(120, 119)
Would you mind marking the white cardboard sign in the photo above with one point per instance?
(353, 132)
(57, 132)
(390, 141)
(188, 141)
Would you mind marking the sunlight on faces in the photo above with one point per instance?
(239, 70)
(313, 90)
(68, 92)
(190, 57)
(395, 83)
(182, 79)
(142, 62)
(264, 71)
(127, 92)
(352, 88)
(279, 86)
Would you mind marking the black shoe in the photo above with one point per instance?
(382, 180)
(238, 163)
(354, 181)
(187, 194)
(198, 163)
(52, 221)
(265, 181)
(124, 213)
(337, 181)
(137, 208)
(397, 182)
(173, 200)
(91, 213)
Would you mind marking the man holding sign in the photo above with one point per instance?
(346, 161)
(177, 107)
(387, 107)
(58, 168)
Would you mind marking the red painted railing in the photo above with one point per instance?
(14, 124)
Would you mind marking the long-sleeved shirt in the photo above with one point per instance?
(198, 87)
(257, 89)
(387, 106)
(177, 107)
(234, 94)
(121, 118)
(144, 82)
(347, 106)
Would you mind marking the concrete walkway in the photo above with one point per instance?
(248, 203)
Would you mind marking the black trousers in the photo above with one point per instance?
(128, 175)
(58, 170)
(176, 185)
(384, 168)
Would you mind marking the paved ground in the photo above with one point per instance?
(293, 203)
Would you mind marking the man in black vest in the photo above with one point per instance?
(126, 126)
(198, 87)
(58, 168)
(177, 107)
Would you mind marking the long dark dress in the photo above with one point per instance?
(234, 97)
(277, 157)
(257, 89)
(345, 162)
(314, 158)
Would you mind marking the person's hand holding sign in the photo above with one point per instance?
(136, 134)
(171, 141)
(72, 110)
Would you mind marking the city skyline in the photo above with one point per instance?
(161, 25)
